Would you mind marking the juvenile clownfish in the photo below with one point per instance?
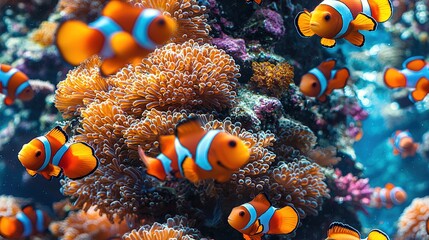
(48, 154)
(414, 76)
(341, 231)
(319, 82)
(24, 224)
(14, 84)
(258, 217)
(388, 196)
(403, 143)
(124, 34)
(197, 154)
(256, 1)
(335, 19)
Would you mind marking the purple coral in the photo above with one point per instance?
(355, 111)
(236, 47)
(273, 22)
(353, 190)
(268, 108)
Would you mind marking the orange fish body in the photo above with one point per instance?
(26, 223)
(256, 1)
(341, 231)
(124, 34)
(414, 76)
(258, 217)
(49, 154)
(319, 82)
(388, 196)
(403, 144)
(197, 154)
(14, 84)
(427, 226)
(334, 19)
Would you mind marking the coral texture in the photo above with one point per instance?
(10, 206)
(294, 134)
(45, 34)
(325, 157)
(80, 9)
(273, 79)
(412, 223)
(352, 190)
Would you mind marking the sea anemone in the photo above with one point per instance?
(412, 223)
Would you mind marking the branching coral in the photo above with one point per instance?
(412, 223)
(272, 79)
(45, 34)
(325, 157)
(88, 225)
(181, 76)
(175, 228)
(190, 16)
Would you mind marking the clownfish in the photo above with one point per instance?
(124, 34)
(414, 76)
(319, 82)
(335, 19)
(388, 196)
(341, 231)
(197, 154)
(403, 143)
(48, 154)
(14, 84)
(256, 1)
(24, 224)
(259, 217)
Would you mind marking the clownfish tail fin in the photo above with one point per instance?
(377, 235)
(393, 78)
(79, 161)
(154, 166)
(76, 41)
(288, 219)
(384, 10)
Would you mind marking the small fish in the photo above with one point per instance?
(341, 231)
(388, 196)
(403, 143)
(26, 223)
(414, 76)
(319, 82)
(333, 19)
(48, 154)
(124, 34)
(197, 154)
(256, 1)
(259, 217)
(14, 84)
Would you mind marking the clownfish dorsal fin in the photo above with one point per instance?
(262, 198)
(165, 142)
(28, 209)
(377, 235)
(328, 64)
(414, 63)
(188, 126)
(58, 134)
(389, 186)
(115, 6)
(337, 227)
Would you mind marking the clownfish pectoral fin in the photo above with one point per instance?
(124, 45)
(414, 63)
(355, 38)
(58, 134)
(187, 126)
(422, 89)
(302, 24)
(80, 162)
(393, 78)
(260, 227)
(8, 101)
(111, 66)
(154, 166)
(76, 41)
(384, 10)
(395, 151)
(189, 170)
(339, 80)
(53, 171)
(322, 98)
(364, 22)
(246, 237)
(31, 172)
(377, 235)
(341, 228)
(288, 220)
(329, 43)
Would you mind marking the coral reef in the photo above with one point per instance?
(81, 9)
(10, 206)
(325, 157)
(412, 223)
(45, 34)
(273, 79)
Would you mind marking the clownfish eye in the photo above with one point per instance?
(161, 22)
(38, 153)
(327, 17)
(232, 143)
(313, 85)
(241, 213)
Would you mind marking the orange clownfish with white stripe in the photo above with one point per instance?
(14, 84)
(49, 154)
(403, 143)
(259, 217)
(319, 82)
(335, 19)
(414, 76)
(197, 154)
(124, 34)
(388, 196)
(341, 231)
(28, 222)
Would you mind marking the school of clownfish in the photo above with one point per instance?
(125, 34)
